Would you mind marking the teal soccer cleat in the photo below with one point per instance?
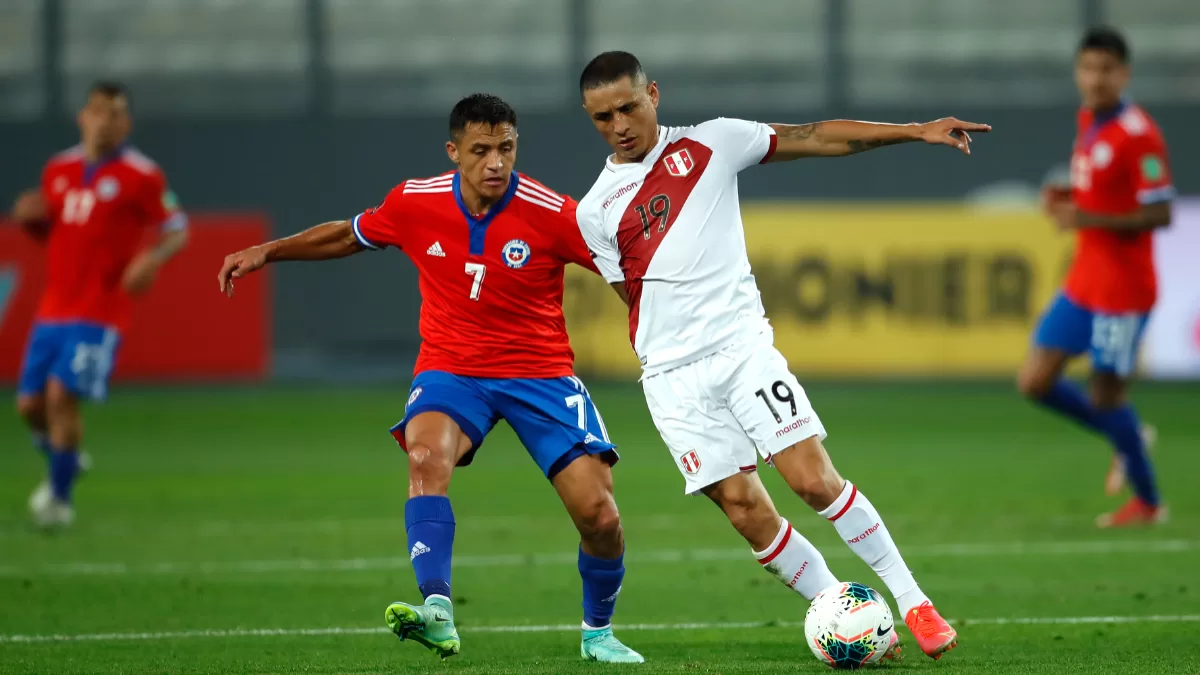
(431, 624)
(601, 645)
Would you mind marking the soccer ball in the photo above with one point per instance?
(849, 625)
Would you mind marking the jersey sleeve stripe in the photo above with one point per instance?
(1156, 195)
(359, 235)
(545, 193)
(771, 149)
(175, 222)
(427, 190)
(541, 195)
(534, 200)
(428, 181)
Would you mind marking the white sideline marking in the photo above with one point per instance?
(566, 628)
(1048, 548)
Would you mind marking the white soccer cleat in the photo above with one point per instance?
(51, 514)
(41, 497)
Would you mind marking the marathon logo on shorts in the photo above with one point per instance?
(793, 426)
(870, 531)
(413, 397)
(690, 462)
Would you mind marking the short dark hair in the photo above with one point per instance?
(610, 67)
(111, 89)
(480, 109)
(1106, 39)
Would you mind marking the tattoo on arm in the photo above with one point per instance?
(797, 131)
(862, 146)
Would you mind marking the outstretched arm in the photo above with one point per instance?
(836, 138)
(323, 242)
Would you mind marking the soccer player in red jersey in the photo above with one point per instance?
(490, 246)
(1120, 194)
(94, 204)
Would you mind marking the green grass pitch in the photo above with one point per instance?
(262, 531)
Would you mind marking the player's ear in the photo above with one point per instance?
(652, 92)
(452, 151)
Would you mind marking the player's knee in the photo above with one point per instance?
(1032, 384)
(429, 464)
(60, 404)
(32, 409)
(599, 519)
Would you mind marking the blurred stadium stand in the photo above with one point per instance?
(309, 110)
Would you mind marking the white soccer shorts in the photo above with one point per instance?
(716, 413)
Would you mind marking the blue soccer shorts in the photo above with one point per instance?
(555, 418)
(80, 355)
(1112, 340)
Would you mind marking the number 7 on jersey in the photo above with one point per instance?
(478, 271)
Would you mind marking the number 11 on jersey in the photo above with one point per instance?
(478, 271)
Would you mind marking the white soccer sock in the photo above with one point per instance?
(859, 524)
(796, 562)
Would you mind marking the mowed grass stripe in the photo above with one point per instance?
(960, 550)
(566, 628)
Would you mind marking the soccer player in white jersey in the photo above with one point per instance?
(664, 226)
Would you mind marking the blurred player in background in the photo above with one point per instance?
(664, 224)
(95, 202)
(490, 246)
(1120, 194)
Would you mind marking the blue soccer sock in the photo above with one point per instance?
(601, 585)
(64, 467)
(430, 524)
(42, 442)
(1123, 428)
(1068, 398)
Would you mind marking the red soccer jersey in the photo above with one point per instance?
(491, 288)
(98, 213)
(1119, 163)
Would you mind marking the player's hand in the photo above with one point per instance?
(952, 132)
(1052, 197)
(238, 265)
(139, 276)
(29, 207)
(1063, 213)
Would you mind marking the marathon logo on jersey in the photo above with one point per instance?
(793, 426)
(690, 462)
(679, 163)
(107, 189)
(1102, 155)
(620, 193)
(516, 254)
(413, 397)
